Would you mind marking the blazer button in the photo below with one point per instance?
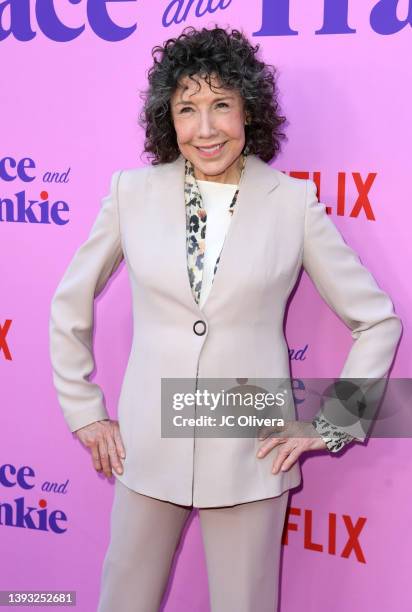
(199, 327)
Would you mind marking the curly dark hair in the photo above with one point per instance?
(231, 57)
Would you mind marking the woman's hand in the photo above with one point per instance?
(296, 437)
(104, 440)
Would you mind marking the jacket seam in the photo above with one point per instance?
(300, 257)
(116, 196)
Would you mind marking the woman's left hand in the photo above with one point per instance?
(296, 438)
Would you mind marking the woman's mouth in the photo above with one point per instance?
(211, 151)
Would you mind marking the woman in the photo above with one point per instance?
(206, 305)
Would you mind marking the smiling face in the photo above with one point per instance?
(210, 128)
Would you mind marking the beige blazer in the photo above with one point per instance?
(278, 226)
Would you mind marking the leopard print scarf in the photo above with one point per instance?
(196, 218)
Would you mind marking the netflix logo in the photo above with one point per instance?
(360, 206)
(4, 348)
(340, 534)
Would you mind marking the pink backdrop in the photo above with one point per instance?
(71, 107)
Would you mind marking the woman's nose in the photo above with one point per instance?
(206, 126)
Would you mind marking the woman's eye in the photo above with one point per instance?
(189, 108)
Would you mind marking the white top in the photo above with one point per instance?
(216, 198)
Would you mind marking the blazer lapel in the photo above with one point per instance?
(258, 180)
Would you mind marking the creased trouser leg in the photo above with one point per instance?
(242, 546)
(145, 533)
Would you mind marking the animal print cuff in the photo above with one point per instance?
(334, 438)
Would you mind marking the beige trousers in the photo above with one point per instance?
(242, 546)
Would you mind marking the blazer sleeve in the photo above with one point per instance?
(352, 292)
(72, 312)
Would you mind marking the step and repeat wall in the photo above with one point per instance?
(72, 73)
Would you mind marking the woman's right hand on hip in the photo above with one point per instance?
(104, 440)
